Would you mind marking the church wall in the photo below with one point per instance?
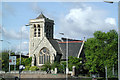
(45, 43)
(33, 42)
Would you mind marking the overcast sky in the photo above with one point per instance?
(75, 20)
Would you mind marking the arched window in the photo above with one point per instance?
(44, 56)
(34, 30)
(34, 26)
(38, 26)
(38, 30)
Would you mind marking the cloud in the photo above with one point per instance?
(111, 21)
(25, 32)
(14, 38)
(83, 22)
(14, 35)
(38, 9)
(35, 8)
(23, 47)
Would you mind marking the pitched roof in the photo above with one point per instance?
(55, 45)
(73, 48)
(40, 16)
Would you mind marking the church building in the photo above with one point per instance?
(44, 48)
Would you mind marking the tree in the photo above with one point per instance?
(5, 61)
(74, 61)
(24, 61)
(101, 51)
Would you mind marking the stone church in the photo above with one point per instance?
(44, 48)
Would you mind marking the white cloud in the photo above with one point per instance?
(25, 32)
(36, 9)
(110, 21)
(23, 47)
(14, 35)
(83, 22)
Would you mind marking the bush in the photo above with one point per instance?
(55, 65)
(46, 66)
(24, 61)
(28, 61)
(33, 68)
(27, 68)
(59, 66)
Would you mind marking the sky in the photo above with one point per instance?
(75, 19)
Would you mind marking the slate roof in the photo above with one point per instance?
(60, 46)
(40, 16)
(55, 44)
(73, 48)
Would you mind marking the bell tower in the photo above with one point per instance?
(39, 28)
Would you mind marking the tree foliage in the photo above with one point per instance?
(61, 66)
(101, 51)
(5, 61)
(74, 61)
(24, 61)
(54, 65)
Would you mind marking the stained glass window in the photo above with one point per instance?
(44, 56)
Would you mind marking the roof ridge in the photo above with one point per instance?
(41, 16)
(71, 41)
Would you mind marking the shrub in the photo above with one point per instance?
(27, 68)
(33, 68)
(46, 66)
(55, 65)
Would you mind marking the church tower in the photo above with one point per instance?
(39, 28)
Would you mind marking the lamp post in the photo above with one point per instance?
(21, 51)
(66, 55)
(118, 37)
(20, 55)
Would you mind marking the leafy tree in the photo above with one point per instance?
(74, 61)
(5, 61)
(24, 61)
(101, 51)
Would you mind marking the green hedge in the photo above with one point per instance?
(27, 68)
(33, 68)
